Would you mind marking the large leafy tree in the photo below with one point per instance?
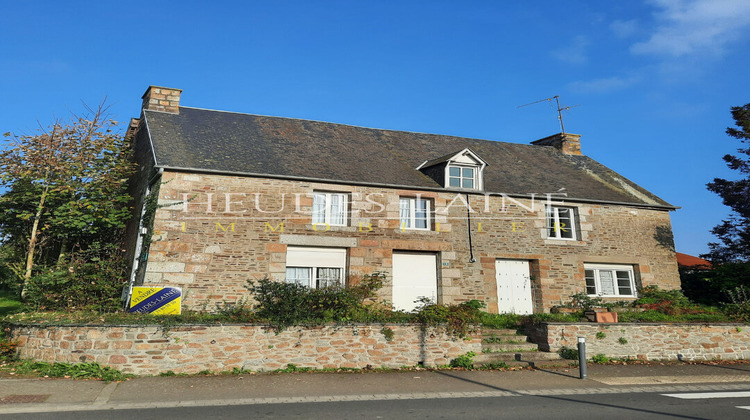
(65, 189)
(734, 232)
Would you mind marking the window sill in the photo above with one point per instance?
(320, 227)
(421, 231)
(563, 242)
(464, 190)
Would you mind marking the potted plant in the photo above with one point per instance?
(593, 308)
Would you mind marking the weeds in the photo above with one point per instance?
(465, 361)
(387, 333)
(68, 370)
(568, 353)
(500, 321)
(600, 359)
(495, 366)
(292, 368)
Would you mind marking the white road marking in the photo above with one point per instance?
(701, 395)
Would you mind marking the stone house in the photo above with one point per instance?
(236, 197)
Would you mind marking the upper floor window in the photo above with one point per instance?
(462, 177)
(610, 280)
(463, 169)
(329, 208)
(414, 213)
(561, 222)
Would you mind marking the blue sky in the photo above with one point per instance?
(652, 80)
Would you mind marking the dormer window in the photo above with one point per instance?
(461, 170)
(462, 177)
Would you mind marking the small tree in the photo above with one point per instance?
(65, 187)
(734, 232)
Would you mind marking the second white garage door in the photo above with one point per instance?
(414, 277)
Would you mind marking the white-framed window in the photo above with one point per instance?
(329, 208)
(414, 213)
(609, 280)
(462, 177)
(316, 277)
(316, 267)
(561, 223)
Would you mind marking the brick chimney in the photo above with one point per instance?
(570, 144)
(159, 98)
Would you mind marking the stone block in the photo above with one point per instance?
(165, 267)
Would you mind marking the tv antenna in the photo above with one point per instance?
(559, 108)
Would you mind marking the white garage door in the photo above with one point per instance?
(414, 277)
(513, 287)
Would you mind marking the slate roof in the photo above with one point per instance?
(233, 143)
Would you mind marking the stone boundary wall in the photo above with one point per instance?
(647, 341)
(149, 350)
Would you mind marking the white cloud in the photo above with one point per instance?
(575, 53)
(603, 85)
(624, 28)
(695, 26)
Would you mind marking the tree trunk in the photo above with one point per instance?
(32, 240)
(63, 252)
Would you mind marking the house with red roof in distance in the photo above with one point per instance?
(690, 261)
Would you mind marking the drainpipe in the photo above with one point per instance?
(128, 291)
(468, 226)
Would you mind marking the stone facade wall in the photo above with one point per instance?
(189, 349)
(224, 230)
(648, 341)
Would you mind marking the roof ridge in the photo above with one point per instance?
(350, 125)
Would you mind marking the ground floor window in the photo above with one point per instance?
(316, 267)
(607, 280)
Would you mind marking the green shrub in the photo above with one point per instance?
(68, 370)
(601, 335)
(739, 308)
(236, 312)
(475, 304)
(460, 320)
(495, 365)
(91, 280)
(600, 358)
(671, 302)
(464, 361)
(500, 321)
(584, 302)
(568, 353)
(8, 350)
(387, 333)
(539, 318)
(284, 304)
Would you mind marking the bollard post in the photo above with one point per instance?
(582, 357)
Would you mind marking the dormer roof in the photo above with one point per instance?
(465, 156)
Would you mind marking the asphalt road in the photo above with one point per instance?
(642, 405)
